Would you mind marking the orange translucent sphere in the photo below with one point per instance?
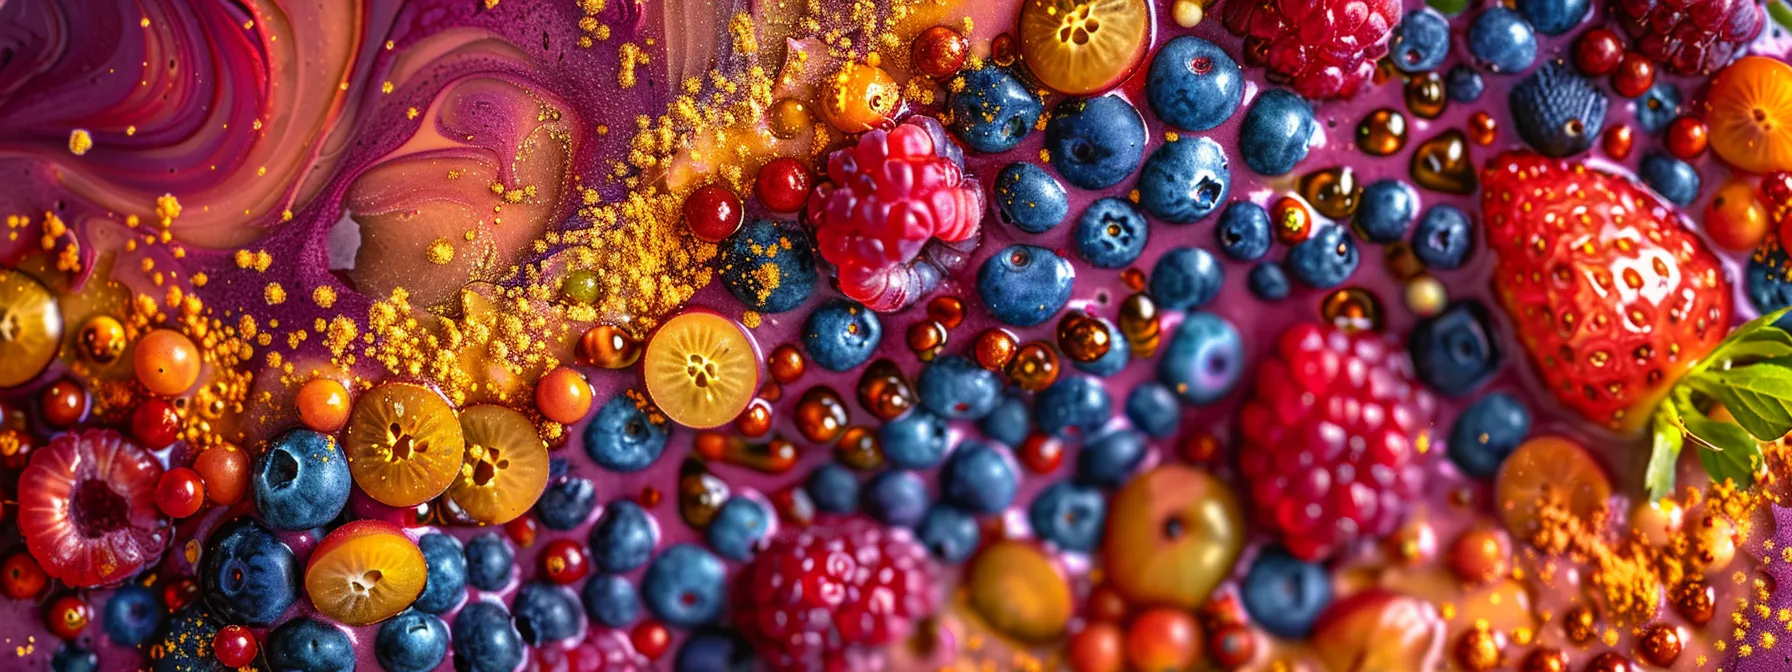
(225, 471)
(323, 405)
(167, 362)
(563, 395)
(1749, 114)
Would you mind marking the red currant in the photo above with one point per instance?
(783, 185)
(1597, 52)
(712, 212)
(650, 639)
(234, 646)
(65, 403)
(1041, 453)
(939, 52)
(564, 561)
(523, 531)
(155, 423)
(1616, 141)
(1634, 76)
(178, 594)
(68, 616)
(180, 492)
(20, 576)
(1687, 138)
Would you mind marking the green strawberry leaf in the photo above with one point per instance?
(1664, 452)
(1759, 338)
(1758, 395)
(1732, 452)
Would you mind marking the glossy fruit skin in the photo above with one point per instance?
(685, 586)
(111, 484)
(546, 613)
(1676, 180)
(1687, 138)
(1107, 460)
(713, 212)
(1420, 42)
(979, 478)
(1515, 221)
(414, 641)
(738, 527)
(1154, 408)
(1324, 49)
(1116, 358)
(622, 437)
(1385, 210)
(447, 573)
(1242, 231)
(301, 481)
(21, 577)
(323, 405)
(1025, 285)
(1028, 197)
(1095, 143)
(1597, 52)
(490, 561)
(564, 561)
(1634, 76)
(1008, 423)
(64, 404)
(38, 327)
(1163, 639)
(234, 646)
(224, 470)
(1736, 219)
(338, 573)
(563, 395)
(1554, 17)
(994, 111)
(1486, 432)
(1110, 233)
(155, 424)
(1748, 106)
(1074, 402)
(834, 489)
(1557, 111)
(1069, 515)
(67, 616)
(1690, 38)
(132, 615)
(917, 440)
(1444, 238)
(949, 533)
(166, 362)
(1463, 84)
(782, 185)
(1186, 278)
(624, 537)
(611, 600)
(743, 264)
(180, 492)
(956, 388)
(309, 645)
(841, 334)
(1172, 534)
(1098, 647)
(896, 498)
(1193, 84)
(248, 576)
(566, 504)
(1501, 41)
(485, 639)
(1284, 595)
(939, 52)
(1276, 132)
(1325, 260)
(1454, 352)
(1185, 180)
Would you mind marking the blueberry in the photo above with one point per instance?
(1185, 278)
(1420, 42)
(1028, 197)
(1108, 459)
(1204, 359)
(1454, 351)
(1185, 180)
(1658, 107)
(622, 437)
(447, 580)
(1095, 142)
(745, 266)
(685, 586)
(485, 639)
(896, 497)
(1008, 423)
(1112, 361)
(1554, 17)
(1268, 281)
(1444, 238)
(841, 334)
(246, 575)
(1487, 432)
(623, 538)
(917, 440)
(545, 613)
(187, 641)
(1769, 280)
(1385, 210)
(717, 651)
(949, 533)
(979, 478)
(1276, 132)
(413, 641)
(567, 503)
(132, 615)
(1324, 260)
(489, 561)
(1069, 515)
(1079, 402)
(309, 645)
(737, 528)
(1501, 41)
(611, 600)
(74, 658)
(1674, 179)
(301, 481)
(1463, 84)
(1284, 595)
(1153, 408)
(834, 489)
(1243, 231)
(1193, 84)
(1110, 234)
(1557, 111)
(1025, 285)
(956, 388)
(994, 111)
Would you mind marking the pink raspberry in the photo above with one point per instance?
(1320, 48)
(1690, 37)
(896, 213)
(1334, 434)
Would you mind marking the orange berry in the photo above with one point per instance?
(1096, 649)
(1616, 141)
(323, 405)
(1749, 113)
(1736, 220)
(167, 362)
(225, 472)
(1163, 639)
(563, 395)
(1687, 138)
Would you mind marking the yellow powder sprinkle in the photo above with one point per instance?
(79, 141)
(274, 293)
(440, 252)
(324, 296)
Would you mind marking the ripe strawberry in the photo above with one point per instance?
(1612, 297)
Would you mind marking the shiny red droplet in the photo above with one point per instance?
(234, 646)
(180, 493)
(783, 185)
(712, 212)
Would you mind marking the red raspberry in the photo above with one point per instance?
(87, 506)
(1334, 433)
(1320, 48)
(827, 598)
(1690, 37)
(896, 213)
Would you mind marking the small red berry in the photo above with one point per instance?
(1291, 220)
(783, 185)
(1687, 138)
(1041, 453)
(564, 561)
(1634, 76)
(179, 594)
(712, 212)
(523, 531)
(939, 52)
(180, 493)
(65, 404)
(155, 423)
(68, 616)
(651, 639)
(1597, 52)
(234, 646)
(21, 577)
(1616, 141)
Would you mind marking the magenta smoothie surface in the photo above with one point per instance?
(911, 335)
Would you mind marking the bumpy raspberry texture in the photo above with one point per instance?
(1334, 435)
(1690, 37)
(896, 213)
(1320, 48)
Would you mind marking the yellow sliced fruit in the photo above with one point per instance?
(506, 465)
(701, 369)
(365, 572)
(1548, 469)
(1081, 47)
(404, 444)
(30, 328)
